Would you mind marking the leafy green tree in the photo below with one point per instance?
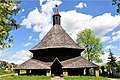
(14, 65)
(92, 45)
(7, 22)
(4, 63)
(118, 66)
(111, 63)
(117, 3)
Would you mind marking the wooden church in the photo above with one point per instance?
(57, 54)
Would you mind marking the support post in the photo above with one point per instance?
(18, 72)
(84, 71)
(48, 72)
(87, 72)
(96, 72)
(27, 71)
(65, 73)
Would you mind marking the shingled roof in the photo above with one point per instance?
(56, 38)
(77, 62)
(33, 64)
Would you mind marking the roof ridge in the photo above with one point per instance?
(57, 60)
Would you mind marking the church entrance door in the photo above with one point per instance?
(56, 68)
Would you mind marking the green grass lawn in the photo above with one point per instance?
(85, 78)
(48, 78)
(25, 78)
(2, 72)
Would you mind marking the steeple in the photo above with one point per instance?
(56, 17)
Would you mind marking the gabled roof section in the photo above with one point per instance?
(56, 38)
(56, 61)
(78, 62)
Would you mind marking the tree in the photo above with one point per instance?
(4, 63)
(111, 63)
(118, 66)
(14, 65)
(7, 22)
(103, 70)
(117, 3)
(92, 45)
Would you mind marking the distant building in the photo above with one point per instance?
(9, 67)
(57, 54)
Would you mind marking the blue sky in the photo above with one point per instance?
(35, 18)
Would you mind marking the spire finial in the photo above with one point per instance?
(56, 11)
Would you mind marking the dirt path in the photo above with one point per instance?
(57, 78)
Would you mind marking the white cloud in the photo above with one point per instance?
(104, 57)
(81, 5)
(22, 55)
(16, 61)
(23, 10)
(57, 2)
(113, 33)
(119, 49)
(22, 16)
(15, 7)
(30, 37)
(40, 21)
(35, 40)
(116, 33)
(104, 23)
(41, 1)
(111, 47)
(45, 30)
(116, 36)
(99, 24)
(73, 24)
(105, 38)
(19, 61)
(27, 44)
(32, 19)
(18, 57)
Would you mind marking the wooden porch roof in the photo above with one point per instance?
(77, 62)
